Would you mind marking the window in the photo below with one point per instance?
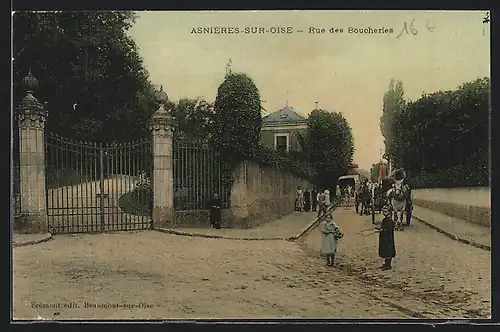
(282, 142)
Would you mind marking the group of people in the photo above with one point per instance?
(332, 234)
(386, 246)
(346, 193)
(314, 200)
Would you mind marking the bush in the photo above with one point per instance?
(63, 177)
(237, 122)
(138, 201)
(475, 173)
(281, 161)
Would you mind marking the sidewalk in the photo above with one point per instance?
(458, 229)
(287, 227)
(20, 240)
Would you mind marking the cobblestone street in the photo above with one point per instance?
(169, 276)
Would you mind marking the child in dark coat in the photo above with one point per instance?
(386, 246)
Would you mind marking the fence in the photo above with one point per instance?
(95, 187)
(196, 175)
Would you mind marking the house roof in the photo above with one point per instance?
(284, 115)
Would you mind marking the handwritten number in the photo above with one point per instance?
(430, 27)
(412, 28)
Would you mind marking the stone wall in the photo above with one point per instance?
(258, 195)
(471, 204)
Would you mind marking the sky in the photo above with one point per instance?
(344, 72)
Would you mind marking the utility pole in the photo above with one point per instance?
(316, 102)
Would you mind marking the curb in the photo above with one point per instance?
(454, 237)
(311, 225)
(213, 236)
(46, 237)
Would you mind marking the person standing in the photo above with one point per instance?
(331, 236)
(307, 200)
(314, 197)
(299, 199)
(327, 198)
(338, 193)
(215, 211)
(386, 245)
(321, 203)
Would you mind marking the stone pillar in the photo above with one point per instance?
(162, 128)
(31, 120)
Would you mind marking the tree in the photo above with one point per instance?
(194, 118)
(393, 104)
(330, 145)
(374, 171)
(237, 120)
(89, 70)
(443, 138)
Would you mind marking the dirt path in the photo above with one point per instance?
(183, 277)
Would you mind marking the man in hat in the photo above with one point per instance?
(386, 246)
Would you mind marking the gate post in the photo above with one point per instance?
(31, 125)
(162, 129)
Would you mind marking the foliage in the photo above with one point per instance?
(330, 145)
(237, 121)
(374, 171)
(283, 161)
(138, 201)
(444, 136)
(84, 58)
(194, 118)
(63, 177)
(393, 104)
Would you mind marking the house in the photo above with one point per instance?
(280, 130)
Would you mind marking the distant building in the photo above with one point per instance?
(281, 128)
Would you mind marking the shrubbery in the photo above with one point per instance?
(138, 201)
(281, 161)
(442, 137)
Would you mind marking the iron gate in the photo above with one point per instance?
(95, 187)
(197, 175)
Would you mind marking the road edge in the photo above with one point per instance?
(312, 224)
(213, 236)
(45, 238)
(453, 236)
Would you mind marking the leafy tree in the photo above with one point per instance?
(330, 145)
(374, 171)
(194, 118)
(393, 104)
(237, 121)
(443, 137)
(87, 59)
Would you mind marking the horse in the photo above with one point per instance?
(398, 196)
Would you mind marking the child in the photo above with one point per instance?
(321, 203)
(386, 247)
(331, 236)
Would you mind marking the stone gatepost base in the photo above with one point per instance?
(163, 217)
(31, 223)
